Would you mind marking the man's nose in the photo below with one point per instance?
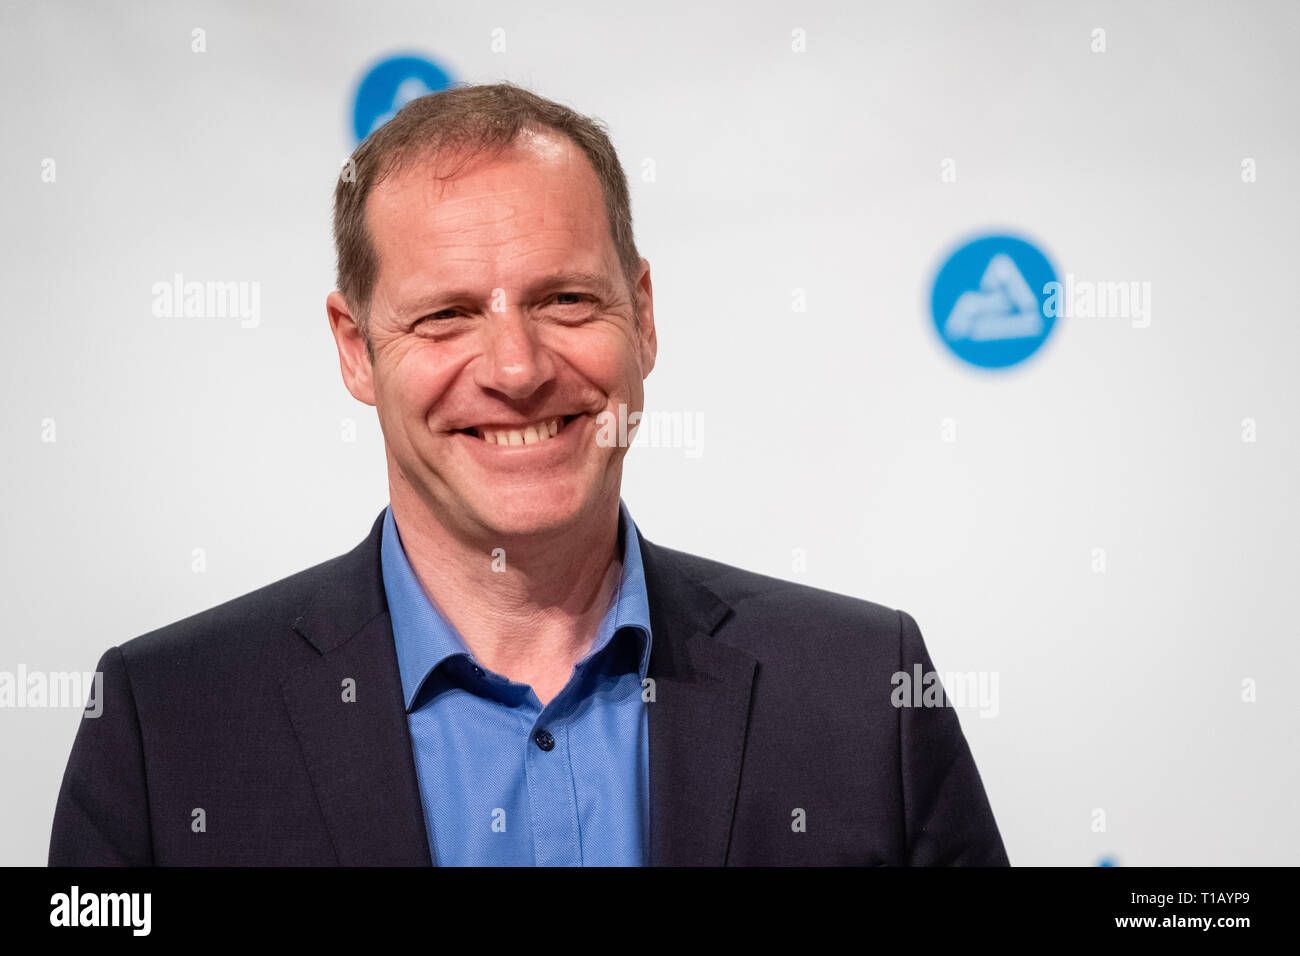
(514, 361)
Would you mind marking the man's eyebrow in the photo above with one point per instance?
(595, 280)
(422, 304)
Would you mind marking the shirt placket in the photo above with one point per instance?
(552, 803)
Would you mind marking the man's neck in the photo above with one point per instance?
(530, 612)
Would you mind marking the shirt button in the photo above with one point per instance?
(544, 740)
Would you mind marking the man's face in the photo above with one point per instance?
(500, 313)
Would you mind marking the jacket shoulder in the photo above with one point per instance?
(236, 628)
(753, 594)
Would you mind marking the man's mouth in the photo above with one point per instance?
(531, 433)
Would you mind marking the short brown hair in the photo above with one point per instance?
(474, 119)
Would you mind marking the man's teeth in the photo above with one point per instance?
(528, 435)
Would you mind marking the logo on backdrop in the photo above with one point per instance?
(988, 301)
(391, 84)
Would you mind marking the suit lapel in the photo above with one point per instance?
(698, 720)
(358, 753)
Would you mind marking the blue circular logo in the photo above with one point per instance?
(390, 85)
(995, 301)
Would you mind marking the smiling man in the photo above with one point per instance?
(506, 671)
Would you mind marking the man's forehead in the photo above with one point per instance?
(456, 187)
(514, 218)
(529, 211)
(547, 146)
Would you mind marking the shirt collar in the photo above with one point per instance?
(425, 638)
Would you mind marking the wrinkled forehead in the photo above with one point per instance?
(541, 178)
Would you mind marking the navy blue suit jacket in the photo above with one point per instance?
(769, 698)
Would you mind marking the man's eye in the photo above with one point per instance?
(440, 314)
(569, 298)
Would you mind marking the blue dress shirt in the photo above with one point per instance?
(504, 781)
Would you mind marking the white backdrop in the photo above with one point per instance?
(844, 446)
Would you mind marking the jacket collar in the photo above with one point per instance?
(358, 752)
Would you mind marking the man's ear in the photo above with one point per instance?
(354, 361)
(645, 311)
